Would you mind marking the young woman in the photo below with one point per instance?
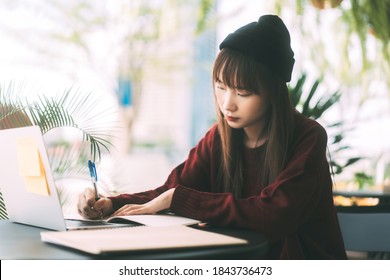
(263, 166)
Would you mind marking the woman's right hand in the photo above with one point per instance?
(90, 208)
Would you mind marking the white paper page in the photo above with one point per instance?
(160, 220)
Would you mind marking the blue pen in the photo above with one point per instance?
(94, 178)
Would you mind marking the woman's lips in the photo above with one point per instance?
(231, 119)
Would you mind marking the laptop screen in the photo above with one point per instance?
(26, 181)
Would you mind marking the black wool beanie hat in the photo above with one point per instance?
(267, 41)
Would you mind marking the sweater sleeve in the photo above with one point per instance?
(193, 173)
(281, 207)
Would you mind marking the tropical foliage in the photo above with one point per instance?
(311, 105)
(362, 17)
(69, 109)
(3, 212)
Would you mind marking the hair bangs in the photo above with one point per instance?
(236, 70)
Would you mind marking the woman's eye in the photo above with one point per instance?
(244, 93)
(221, 87)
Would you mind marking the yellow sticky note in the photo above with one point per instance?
(37, 185)
(31, 166)
(28, 157)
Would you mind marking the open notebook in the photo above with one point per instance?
(153, 220)
(137, 239)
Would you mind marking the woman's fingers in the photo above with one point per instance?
(104, 206)
(86, 205)
(90, 213)
(133, 209)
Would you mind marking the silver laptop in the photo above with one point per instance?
(27, 184)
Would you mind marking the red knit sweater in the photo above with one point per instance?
(296, 211)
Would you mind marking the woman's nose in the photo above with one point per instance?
(228, 102)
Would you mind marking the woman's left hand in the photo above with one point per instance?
(162, 202)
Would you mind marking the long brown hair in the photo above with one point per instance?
(238, 70)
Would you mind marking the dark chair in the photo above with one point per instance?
(366, 232)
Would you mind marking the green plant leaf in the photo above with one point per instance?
(321, 106)
(337, 138)
(352, 161)
(68, 109)
(296, 92)
(342, 148)
(324, 104)
(306, 104)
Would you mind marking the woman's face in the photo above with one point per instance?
(241, 108)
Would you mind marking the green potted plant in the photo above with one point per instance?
(312, 106)
(68, 109)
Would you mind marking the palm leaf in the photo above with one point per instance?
(306, 110)
(296, 92)
(73, 110)
(69, 109)
(314, 107)
(324, 103)
(351, 161)
(3, 212)
(13, 113)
